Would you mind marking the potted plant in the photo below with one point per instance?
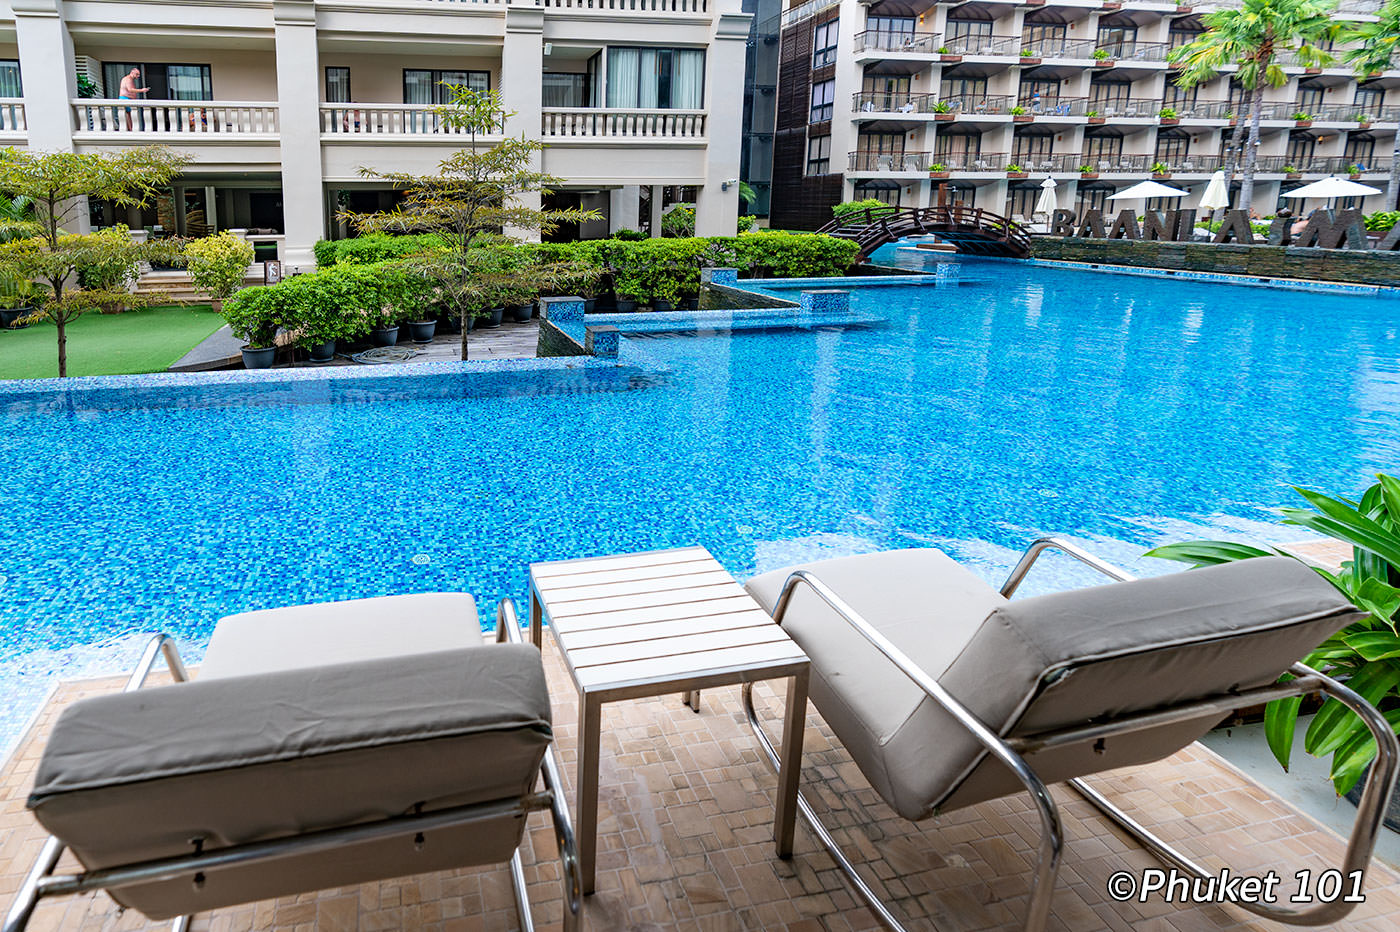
(1100, 55)
(1364, 654)
(1015, 171)
(1095, 116)
(1363, 120)
(254, 315)
(942, 111)
(938, 170)
(1291, 172)
(1029, 57)
(1301, 119)
(1020, 114)
(518, 299)
(1168, 116)
(1161, 170)
(18, 298)
(1229, 116)
(1087, 172)
(217, 265)
(947, 54)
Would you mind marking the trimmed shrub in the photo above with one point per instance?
(848, 209)
(373, 247)
(217, 265)
(1382, 220)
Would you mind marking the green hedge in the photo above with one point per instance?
(374, 247)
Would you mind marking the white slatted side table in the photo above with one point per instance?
(656, 623)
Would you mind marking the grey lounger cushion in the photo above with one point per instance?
(1038, 663)
(136, 776)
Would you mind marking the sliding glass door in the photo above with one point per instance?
(651, 79)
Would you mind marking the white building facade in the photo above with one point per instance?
(279, 103)
(989, 97)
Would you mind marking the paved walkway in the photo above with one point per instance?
(222, 350)
(685, 843)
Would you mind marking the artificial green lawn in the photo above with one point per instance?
(147, 340)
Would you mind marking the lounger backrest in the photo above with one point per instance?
(143, 775)
(1097, 654)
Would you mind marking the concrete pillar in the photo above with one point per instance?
(625, 208)
(298, 77)
(656, 195)
(50, 81)
(522, 63)
(717, 204)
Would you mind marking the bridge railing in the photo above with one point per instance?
(874, 227)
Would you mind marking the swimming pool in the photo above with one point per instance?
(1119, 411)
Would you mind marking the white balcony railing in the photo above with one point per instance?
(628, 6)
(387, 120)
(659, 125)
(169, 117)
(12, 115)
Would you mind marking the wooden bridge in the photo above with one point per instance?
(972, 230)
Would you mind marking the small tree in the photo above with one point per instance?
(474, 197)
(55, 183)
(217, 265)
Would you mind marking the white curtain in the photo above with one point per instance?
(189, 82)
(622, 77)
(650, 86)
(10, 85)
(688, 79)
(417, 87)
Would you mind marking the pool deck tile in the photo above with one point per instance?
(685, 844)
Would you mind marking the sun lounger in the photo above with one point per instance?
(947, 694)
(321, 746)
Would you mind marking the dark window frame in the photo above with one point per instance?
(820, 164)
(829, 33)
(435, 80)
(821, 111)
(349, 96)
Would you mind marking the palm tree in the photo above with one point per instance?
(1253, 38)
(1374, 47)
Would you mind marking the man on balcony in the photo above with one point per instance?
(129, 90)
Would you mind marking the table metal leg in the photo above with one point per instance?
(790, 766)
(590, 720)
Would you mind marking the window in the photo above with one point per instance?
(1105, 150)
(824, 44)
(422, 86)
(1039, 94)
(1300, 147)
(1093, 197)
(167, 82)
(1360, 149)
(11, 86)
(892, 31)
(878, 191)
(1029, 150)
(966, 91)
(957, 149)
(823, 93)
(1046, 39)
(1172, 146)
(665, 79)
(1021, 199)
(968, 28)
(1110, 94)
(819, 155)
(1309, 98)
(1120, 41)
(1180, 35)
(337, 85)
(1367, 98)
(564, 90)
(1180, 98)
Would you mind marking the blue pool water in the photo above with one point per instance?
(1116, 410)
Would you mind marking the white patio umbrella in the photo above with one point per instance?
(1216, 195)
(1047, 204)
(1146, 189)
(1331, 189)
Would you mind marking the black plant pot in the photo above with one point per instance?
(1392, 813)
(493, 317)
(589, 304)
(260, 358)
(690, 304)
(421, 331)
(661, 304)
(626, 305)
(321, 352)
(9, 315)
(388, 336)
(521, 313)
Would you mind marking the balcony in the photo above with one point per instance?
(612, 126)
(206, 121)
(12, 123)
(348, 122)
(609, 7)
(889, 162)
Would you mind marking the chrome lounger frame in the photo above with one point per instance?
(41, 882)
(1370, 811)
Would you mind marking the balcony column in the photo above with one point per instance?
(522, 64)
(49, 75)
(717, 209)
(298, 81)
(625, 208)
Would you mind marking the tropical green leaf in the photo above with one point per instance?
(1280, 719)
(1208, 552)
(1375, 645)
(1334, 722)
(1345, 523)
(1351, 759)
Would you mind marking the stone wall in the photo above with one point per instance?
(1371, 267)
(554, 342)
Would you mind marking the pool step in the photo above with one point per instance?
(177, 284)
